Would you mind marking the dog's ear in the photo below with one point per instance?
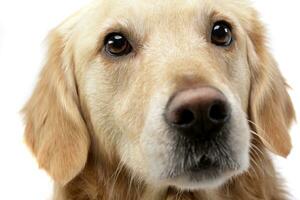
(270, 107)
(55, 129)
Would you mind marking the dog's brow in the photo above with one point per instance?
(217, 15)
(123, 26)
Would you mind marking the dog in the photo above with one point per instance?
(160, 100)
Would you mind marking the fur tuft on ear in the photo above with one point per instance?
(271, 109)
(55, 130)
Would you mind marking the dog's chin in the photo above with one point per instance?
(206, 175)
(202, 179)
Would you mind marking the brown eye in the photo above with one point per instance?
(117, 45)
(221, 34)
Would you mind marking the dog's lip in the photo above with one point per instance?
(206, 168)
(203, 166)
(199, 174)
(205, 163)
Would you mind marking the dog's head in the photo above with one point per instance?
(174, 89)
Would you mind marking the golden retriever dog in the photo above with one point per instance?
(160, 100)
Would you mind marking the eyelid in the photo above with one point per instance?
(217, 16)
(223, 22)
(109, 35)
(124, 27)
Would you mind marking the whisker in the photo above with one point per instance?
(114, 178)
(252, 169)
(179, 195)
(257, 126)
(257, 151)
(257, 148)
(256, 154)
(260, 137)
(130, 185)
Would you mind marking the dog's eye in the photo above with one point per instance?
(117, 45)
(221, 34)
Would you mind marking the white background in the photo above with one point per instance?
(23, 27)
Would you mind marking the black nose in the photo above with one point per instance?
(198, 113)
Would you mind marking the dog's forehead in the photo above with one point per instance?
(153, 8)
(167, 6)
(159, 11)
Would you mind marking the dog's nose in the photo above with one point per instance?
(198, 113)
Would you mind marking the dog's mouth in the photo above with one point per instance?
(206, 168)
(202, 161)
(205, 163)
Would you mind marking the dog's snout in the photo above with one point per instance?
(199, 112)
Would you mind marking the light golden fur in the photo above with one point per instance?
(88, 111)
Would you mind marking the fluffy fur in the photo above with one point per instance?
(88, 112)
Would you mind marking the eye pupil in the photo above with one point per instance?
(221, 34)
(117, 45)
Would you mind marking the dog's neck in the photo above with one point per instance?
(99, 181)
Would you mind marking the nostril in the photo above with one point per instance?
(184, 117)
(198, 112)
(218, 112)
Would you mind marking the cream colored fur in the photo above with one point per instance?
(94, 123)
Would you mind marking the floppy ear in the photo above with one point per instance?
(270, 108)
(55, 130)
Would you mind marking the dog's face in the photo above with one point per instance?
(169, 87)
(164, 57)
